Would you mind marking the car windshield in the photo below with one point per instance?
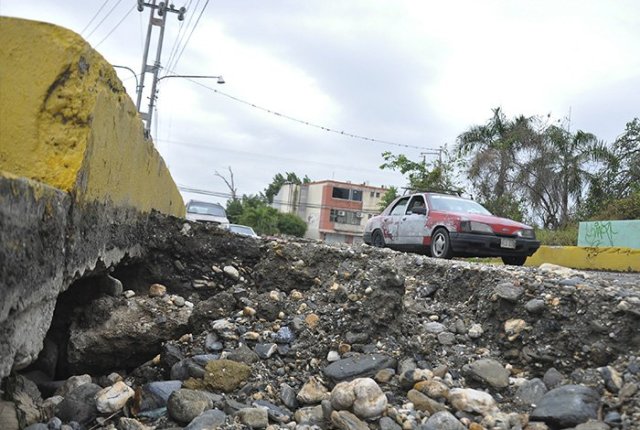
(456, 204)
(240, 229)
(206, 209)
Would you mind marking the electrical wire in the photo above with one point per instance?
(259, 155)
(180, 35)
(95, 16)
(103, 19)
(175, 63)
(307, 123)
(117, 25)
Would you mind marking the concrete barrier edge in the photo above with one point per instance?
(590, 258)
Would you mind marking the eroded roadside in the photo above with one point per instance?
(429, 343)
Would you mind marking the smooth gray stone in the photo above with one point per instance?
(567, 406)
(442, 420)
(211, 419)
(185, 405)
(275, 413)
(156, 394)
(288, 396)
(490, 372)
(531, 392)
(387, 423)
(79, 405)
(358, 366)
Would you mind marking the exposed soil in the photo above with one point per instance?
(423, 313)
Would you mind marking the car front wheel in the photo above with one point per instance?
(514, 261)
(440, 244)
(377, 239)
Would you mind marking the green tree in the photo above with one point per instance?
(615, 187)
(234, 210)
(434, 176)
(263, 219)
(279, 180)
(388, 197)
(291, 224)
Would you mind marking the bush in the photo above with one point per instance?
(622, 209)
(567, 236)
(291, 224)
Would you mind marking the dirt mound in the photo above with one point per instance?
(436, 336)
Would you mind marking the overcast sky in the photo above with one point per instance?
(413, 72)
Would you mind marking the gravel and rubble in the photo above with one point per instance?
(210, 330)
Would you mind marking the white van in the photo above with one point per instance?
(206, 212)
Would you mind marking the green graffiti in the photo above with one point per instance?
(600, 233)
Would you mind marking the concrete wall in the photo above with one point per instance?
(78, 180)
(610, 233)
(67, 121)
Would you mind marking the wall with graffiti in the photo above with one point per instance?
(610, 233)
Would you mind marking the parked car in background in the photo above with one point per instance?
(446, 226)
(242, 230)
(206, 212)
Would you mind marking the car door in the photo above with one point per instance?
(411, 229)
(391, 222)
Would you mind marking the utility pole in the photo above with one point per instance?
(157, 18)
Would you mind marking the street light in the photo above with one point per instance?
(131, 70)
(154, 91)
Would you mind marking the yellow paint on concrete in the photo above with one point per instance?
(576, 257)
(66, 120)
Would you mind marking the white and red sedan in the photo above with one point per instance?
(446, 226)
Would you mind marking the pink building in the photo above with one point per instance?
(334, 211)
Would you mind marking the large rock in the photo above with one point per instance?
(358, 366)
(122, 336)
(567, 406)
(79, 405)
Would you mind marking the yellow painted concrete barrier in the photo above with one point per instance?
(66, 120)
(576, 257)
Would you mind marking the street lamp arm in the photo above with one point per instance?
(219, 78)
(131, 70)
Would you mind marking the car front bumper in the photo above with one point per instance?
(366, 237)
(484, 245)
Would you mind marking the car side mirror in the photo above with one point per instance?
(419, 211)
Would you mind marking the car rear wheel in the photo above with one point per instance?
(377, 239)
(440, 244)
(514, 261)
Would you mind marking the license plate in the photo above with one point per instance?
(507, 242)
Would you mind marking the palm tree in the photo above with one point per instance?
(493, 148)
(570, 156)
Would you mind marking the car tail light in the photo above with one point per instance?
(475, 227)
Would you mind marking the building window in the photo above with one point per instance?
(340, 193)
(346, 194)
(378, 195)
(345, 217)
(372, 194)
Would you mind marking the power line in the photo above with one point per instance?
(95, 16)
(267, 155)
(180, 36)
(307, 123)
(103, 19)
(117, 25)
(175, 63)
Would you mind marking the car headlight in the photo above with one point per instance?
(475, 227)
(526, 233)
